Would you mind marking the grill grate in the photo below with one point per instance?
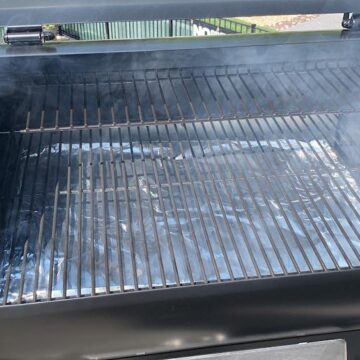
(119, 209)
(153, 97)
(150, 179)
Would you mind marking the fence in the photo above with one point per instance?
(128, 29)
(157, 29)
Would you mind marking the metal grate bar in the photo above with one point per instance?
(92, 217)
(116, 212)
(79, 217)
(129, 224)
(67, 214)
(104, 207)
(53, 230)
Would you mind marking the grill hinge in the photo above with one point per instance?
(351, 21)
(27, 35)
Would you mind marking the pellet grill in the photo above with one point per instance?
(181, 197)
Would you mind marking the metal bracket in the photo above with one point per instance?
(27, 35)
(351, 21)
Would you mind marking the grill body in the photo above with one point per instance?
(193, 194)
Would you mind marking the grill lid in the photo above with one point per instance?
(24, 12)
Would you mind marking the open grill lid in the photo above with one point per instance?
(26, 12)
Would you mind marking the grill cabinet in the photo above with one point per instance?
(188, 195)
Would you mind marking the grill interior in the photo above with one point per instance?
(123, 181)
